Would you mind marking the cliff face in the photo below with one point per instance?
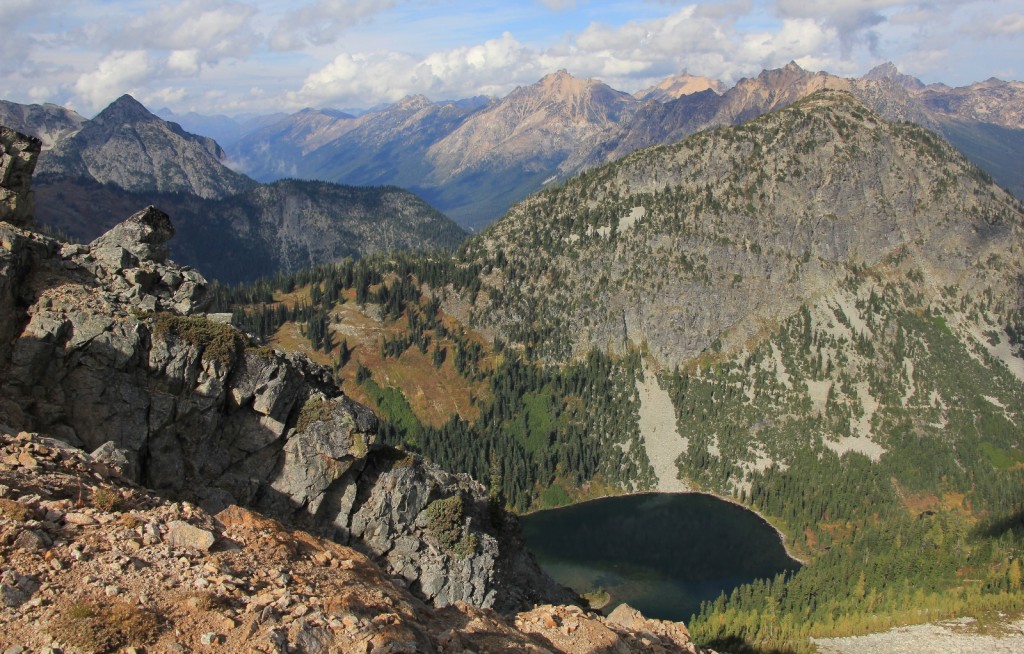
(103, 349)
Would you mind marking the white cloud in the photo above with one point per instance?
(1008, 25)
(212, 29)
(19, 40)
(796, 39)
(163, 97)
(364, 79)
(323, 22)
(90, 51)
(851, 19)
(117, 74)
(185, 62)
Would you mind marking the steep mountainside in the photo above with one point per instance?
(471, 160)
(967, 116)
(49, 123)
(282, 227)
(533, 134)
(225, 130)
(750, 222)
(993, 101)
(380, 147)
(277, 150)
(129, 147)
(389, 146)
(751, 97)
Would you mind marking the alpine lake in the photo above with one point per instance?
(661, 553)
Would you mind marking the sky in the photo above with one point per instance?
(238, 57)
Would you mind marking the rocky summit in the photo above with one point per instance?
(134, 427)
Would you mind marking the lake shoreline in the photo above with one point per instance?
(731, 500)
(663, 553)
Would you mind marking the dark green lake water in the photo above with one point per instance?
(661, 553)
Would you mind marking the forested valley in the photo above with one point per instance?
(928, 526)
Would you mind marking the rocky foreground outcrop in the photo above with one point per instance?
(102, 348)
(91, 562)
(108, 356)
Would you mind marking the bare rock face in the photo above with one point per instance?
(18, 156)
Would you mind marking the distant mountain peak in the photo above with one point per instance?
(888, 71)
(561, 80)
(679, 85)
(418, 101)
(130, 147)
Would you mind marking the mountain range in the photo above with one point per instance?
(96, 172)
(473, 159)
(473, 162)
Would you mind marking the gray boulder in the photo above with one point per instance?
(144, 235)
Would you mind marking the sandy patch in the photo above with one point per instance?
(994, 401)
(848, 307)
(908, 366)
(781, 374)
(1002, 351)
(627, 223)
(818, 392)
(862, 426)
